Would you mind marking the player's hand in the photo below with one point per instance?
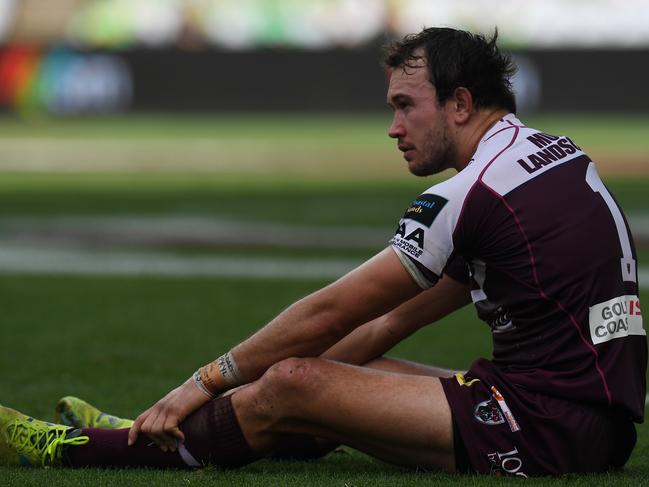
(160, 422)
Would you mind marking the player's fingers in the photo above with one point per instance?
(162, 441)
(173, 431)
(147, 425)
(137, 427)
(159, 434)
(178, 436)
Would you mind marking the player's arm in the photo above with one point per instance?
(312, 325)
(373, 339)
(305, 329)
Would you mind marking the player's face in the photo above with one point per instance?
(419, 123)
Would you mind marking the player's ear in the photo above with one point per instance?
(462, 105)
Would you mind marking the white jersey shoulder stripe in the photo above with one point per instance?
(532, 154)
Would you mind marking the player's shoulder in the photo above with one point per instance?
(502, 137)
(440, 206)
(511, 153)
(508, 154)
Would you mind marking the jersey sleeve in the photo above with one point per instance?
(458, 269)
(424, 238)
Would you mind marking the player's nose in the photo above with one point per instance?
(396, 129)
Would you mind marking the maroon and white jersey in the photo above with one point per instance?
(552, 264)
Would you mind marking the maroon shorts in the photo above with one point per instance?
(502, 429)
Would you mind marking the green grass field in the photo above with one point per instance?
(123, 342)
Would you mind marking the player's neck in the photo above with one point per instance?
(471, 134)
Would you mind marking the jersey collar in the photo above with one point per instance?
(508, 120)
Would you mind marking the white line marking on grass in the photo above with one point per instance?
(34, 260)
(186, 230)
(89, 262)
(202, 230)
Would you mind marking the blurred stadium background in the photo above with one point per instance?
(212, 91)
(195, 165)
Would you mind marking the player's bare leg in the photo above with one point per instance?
(400, 418)
(401, 366)
(308, 447)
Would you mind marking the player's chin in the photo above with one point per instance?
(418, 169)
(411, 162)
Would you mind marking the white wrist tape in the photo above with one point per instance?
(198, 381)
(229, 370)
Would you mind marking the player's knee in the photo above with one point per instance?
(286, 385)
(279, 394)
(294, 377)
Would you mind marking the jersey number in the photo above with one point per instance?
(627, 261)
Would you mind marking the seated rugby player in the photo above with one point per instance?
(525, 229)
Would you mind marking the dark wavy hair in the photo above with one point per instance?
(457, 58)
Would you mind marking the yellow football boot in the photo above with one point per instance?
(31, 442)
(72, 411)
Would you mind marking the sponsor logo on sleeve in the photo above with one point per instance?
(407, 247)
(425, 209)
(616, 318)
(409, 241)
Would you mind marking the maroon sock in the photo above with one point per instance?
(109, 448)
(213, 436)
(301, 448)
